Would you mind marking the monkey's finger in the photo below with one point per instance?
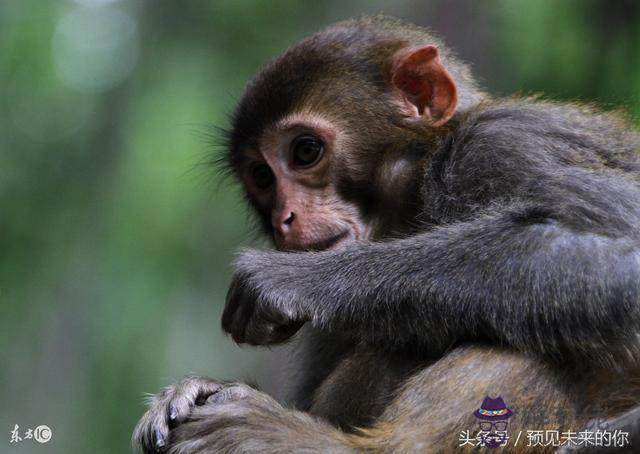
(232, 393)
(189, 392)
(152, 430)
(238, 310)
(170, 408)
(259, 332)
(284, 332)
(241, 319)
(269, 329)
(231, 305)
(261, 326)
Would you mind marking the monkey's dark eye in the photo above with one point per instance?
(262, 176)
(307, 151)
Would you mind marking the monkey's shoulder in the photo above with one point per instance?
(515, 149)
(522, 139)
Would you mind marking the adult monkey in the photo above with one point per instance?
(463, 247)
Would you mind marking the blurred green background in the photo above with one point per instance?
(115, 236)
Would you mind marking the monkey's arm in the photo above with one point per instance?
(516, 276)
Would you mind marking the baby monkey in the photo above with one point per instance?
(439, 246)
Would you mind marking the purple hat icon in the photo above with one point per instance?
(493, 410)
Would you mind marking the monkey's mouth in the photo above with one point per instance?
(329, 243)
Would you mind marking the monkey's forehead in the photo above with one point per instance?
(326, 72)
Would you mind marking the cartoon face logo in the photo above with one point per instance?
(493, 418)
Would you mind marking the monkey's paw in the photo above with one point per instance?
(182, 416)
(263, 304)
(171, 407)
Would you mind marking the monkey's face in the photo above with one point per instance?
(330, 140)
(291, 179)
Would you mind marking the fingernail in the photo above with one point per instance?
(173, 412)
(217, 398)
(160, 442)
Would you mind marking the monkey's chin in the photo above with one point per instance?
(328, 244)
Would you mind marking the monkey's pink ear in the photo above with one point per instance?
(426, 84)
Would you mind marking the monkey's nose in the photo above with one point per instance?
(283, 224)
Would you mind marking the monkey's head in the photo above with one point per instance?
(331, 139)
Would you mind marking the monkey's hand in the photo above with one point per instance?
(171, 407)
(202, 415)
(263, 302)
